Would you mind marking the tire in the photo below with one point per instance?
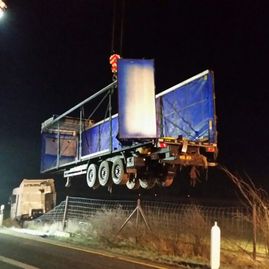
(132, 184)
(91, 176)
(118, 172)
(147, 183)
(104, 175)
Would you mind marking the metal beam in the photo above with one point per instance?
(80, 104)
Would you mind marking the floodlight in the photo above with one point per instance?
(3, 6)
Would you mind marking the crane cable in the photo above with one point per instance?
(122, 24)
(115, 55)
(113, 26)
(114, 32)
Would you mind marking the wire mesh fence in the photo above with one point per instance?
(170, 221)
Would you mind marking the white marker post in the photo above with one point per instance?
(1, 214)
(215, 247)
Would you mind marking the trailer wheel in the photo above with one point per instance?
(91, 176)
(118, 172)
(132, 184)
(147, 183)
(104, 173)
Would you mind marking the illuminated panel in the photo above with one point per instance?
(137, 112)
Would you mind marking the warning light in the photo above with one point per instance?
(113, 60)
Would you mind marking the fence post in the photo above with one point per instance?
(254, 226)
(138, 210)
(65, 212)
(267, 228)
(137, 214)
(142, 214)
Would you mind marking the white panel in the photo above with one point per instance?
(137, 112)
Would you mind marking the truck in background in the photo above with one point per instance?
(148, 140)
(32, 198)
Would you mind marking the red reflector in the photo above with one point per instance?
(162, 145)
(211, 149)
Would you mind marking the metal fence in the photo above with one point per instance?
(165, 219)
(80, 209)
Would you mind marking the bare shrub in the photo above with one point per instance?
(233, 260)
(8, 222)
(254, 198)
(186, 238)
(197, 230)
(106, 224)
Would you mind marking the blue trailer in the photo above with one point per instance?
(146, 142)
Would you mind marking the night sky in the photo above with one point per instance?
(54, 54)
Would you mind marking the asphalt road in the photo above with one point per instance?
(37, 253)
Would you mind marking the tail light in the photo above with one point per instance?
(211, 149)
(162, 145)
